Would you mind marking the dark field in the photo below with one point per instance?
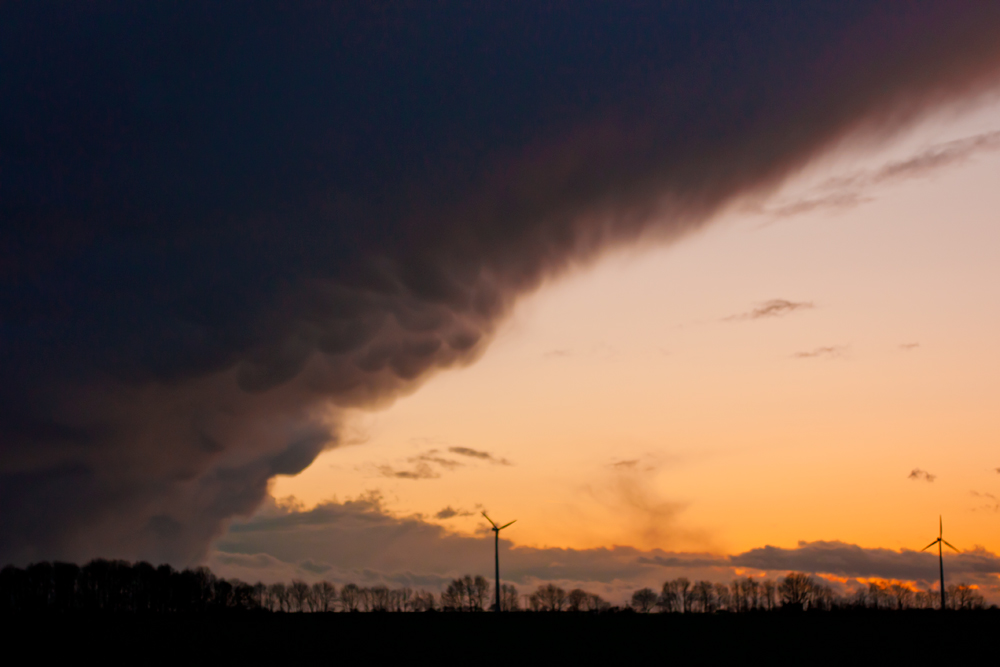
(562, 638)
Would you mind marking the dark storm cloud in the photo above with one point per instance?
(221, 224)
(772, 308)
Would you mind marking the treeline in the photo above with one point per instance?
(795, 591)
(123, 587)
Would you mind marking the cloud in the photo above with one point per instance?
(553, 354)
(419, 471)
(207, 255)
(906, 347)
(990, 502)
(449, 512)
(359, 540)
(853, 190)
(422, 466)
(921, 475)
(476, 454)
(830, 352)
(631, 463)
(772, 308)
(850, 560)
(431, 457)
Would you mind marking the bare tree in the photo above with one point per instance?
(769, 591)
(643, 600)
(683, 588)
(963, 596)
(366, 598)
(299, 591)
(722, 596)
(350, 597)
(280, 596)
(901, 595)
(795, 589)
(704, 596)
(878, 596)
(738, 596)
(669, 600)
(478, 593)
(423, 601)
(548, 597)
(453, 597)
(380, 598)
(400, 598)
(924, 600)
(597, 603)
(260, 595)
(508, 598)
(324, 595)
(576, 600)
(752, 591)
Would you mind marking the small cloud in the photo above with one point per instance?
(772, 308)
(921, 475)
(420, 471)
(834, 201)
(626, 464)
(906, 347)
(476, 454)
(430, 457)
(831, 352)
(554, 354)
(852, 190)
(991, 502)
(449, 512)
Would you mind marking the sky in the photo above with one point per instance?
(653, 400)
(676, 285)
(835, 382)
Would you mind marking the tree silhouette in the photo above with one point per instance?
(704, 596)
(795, 589)
(722, 597)
(577, 599)
(478, 591)
(350, 597)
(548, 597)
(453, 597)
(643, 600)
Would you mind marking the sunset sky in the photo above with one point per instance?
(705, 289)
(777, 377)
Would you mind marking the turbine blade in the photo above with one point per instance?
(505, 525)
(940, 526)
(930, 545)
(489, 519)
(956, 550)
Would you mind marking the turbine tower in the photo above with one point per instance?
(496, 555)
(941, 541)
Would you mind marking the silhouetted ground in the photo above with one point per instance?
(442, 638)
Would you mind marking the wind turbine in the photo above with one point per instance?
(496, 554)
(940, 541)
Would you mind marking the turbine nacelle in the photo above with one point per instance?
(496, 528)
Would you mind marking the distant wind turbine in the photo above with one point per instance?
(940, 541)
(496, 554)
